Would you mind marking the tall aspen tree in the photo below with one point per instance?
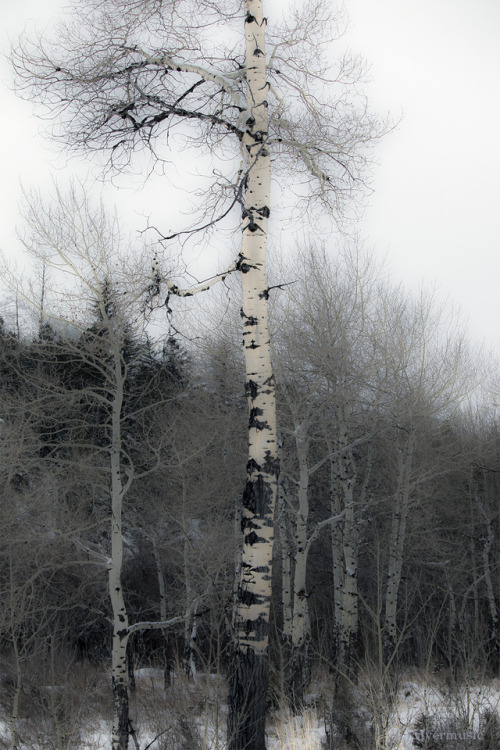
(121, 76)
(250, 673)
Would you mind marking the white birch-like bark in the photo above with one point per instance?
(120, 730)
(250, 672)
(344, 542)
(297, 539)
(286, 575)
(300, 614)
(294, 522)
(141, 94)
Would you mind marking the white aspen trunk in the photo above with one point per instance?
(189, 616)
(349, 600)
(250, 669)
(300, 617)
(120, 730)
(396, 544)
(345, 542)
(286, 581)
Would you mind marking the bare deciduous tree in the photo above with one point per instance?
(427, 375)
(127, 76)
(82, 243)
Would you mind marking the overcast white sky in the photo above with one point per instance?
(435, 211)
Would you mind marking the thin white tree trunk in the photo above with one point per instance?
(345, 545)
(250, 669)
(120, 730)
(298, 539)
(349, 599)
(189, 617)
(300, 617)
(286, 579)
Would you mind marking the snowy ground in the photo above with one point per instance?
(425, 714)
(455, 717)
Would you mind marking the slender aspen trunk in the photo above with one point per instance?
(119, 678)
(286, 533)
(250, 669)
(296, 675)
(349, 624)
(190, 614)
(345, 547)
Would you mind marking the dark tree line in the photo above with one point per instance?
(388, 520)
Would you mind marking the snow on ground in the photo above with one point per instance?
(450, 710)
(454, 716)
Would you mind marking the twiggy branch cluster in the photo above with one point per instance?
(123, 79)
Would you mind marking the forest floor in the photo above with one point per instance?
(427, 712)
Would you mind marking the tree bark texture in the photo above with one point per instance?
(249, 680)
(250, 671)
(286, 577)
(345, 544)
(295, 666)
(119, 675)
